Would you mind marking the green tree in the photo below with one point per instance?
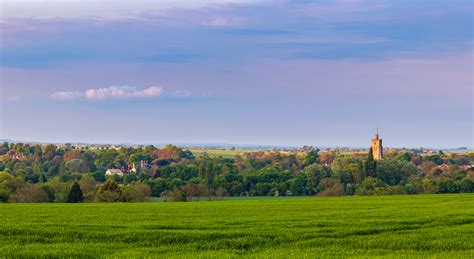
(136, 192)
(348, 169)
(110, 191)
(370, 164)
(76, 166)
(330, 187)
(370, 183)
(207, 171)
(394, 171)
(75, 195)
(467, 185)
(311, 157)
(31, 193)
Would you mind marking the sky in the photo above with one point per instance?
(289, 73)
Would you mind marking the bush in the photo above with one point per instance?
(330, 187)
(4, 195)
(361, 191)
(50, 192)
(136, 192)
(88, 188)
(449, 186)
(429, 186)
(220, 193)
(467, 185)
(411, 189)
(110, 191)
(174, 195)
(389, 190)
(31, 193)
(195, 190)
(370, 183)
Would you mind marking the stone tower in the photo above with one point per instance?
(377, 149)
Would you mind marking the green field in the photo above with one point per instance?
(226, 153)
(388, 226)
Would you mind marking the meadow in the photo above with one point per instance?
(369, 226)
(226, 153)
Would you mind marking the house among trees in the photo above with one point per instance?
(114, 172)
(144, 164)
(133, 169)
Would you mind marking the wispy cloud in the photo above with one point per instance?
(125, 92)
(66, 95)
(103, 9)
(111, 92)
(222, 21)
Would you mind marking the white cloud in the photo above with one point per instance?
(111, 92)
(121, 92)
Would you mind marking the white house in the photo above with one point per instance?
(114, 172)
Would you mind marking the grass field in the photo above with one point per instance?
(226, 153)
(389, 226)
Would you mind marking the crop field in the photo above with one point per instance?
(387, 226)
(226, 153)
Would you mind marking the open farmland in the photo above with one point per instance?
(417, 225)
(227, 153)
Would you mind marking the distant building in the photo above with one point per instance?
(377, 148)
(144, 164)
(114, 172)
(466, 167)
(133, 169)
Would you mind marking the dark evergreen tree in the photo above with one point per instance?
(75, 195)
(370, 164)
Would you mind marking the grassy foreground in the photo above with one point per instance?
(393, 226)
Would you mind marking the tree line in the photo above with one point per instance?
(50, 173)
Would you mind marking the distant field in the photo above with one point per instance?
(227, 153)
(388, 226)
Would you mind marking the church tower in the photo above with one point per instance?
(377, 149)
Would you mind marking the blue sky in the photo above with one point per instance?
(246, 72)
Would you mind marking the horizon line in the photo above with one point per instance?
(224, 144)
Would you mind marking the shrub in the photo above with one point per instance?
(448, 186)
(4, 195)
(110, 191)
(61, 189)
(361, 191)
(136, 192)
(220, 193)
(195, 190)
(330, 187)
(50, 192)
(31, 193)
(429, 186)
(467, 185)
(88, 188)
(389, 190)
(9, 182)
(174, 195)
